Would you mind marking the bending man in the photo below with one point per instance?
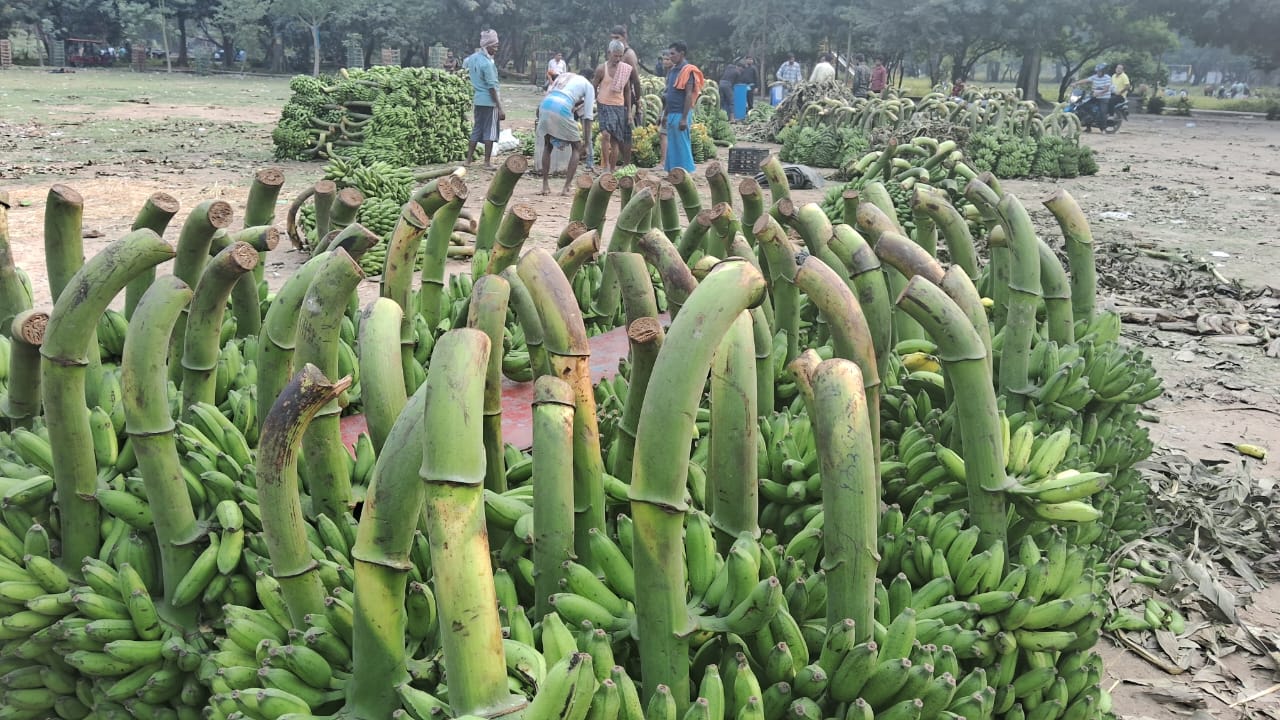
(571, 96)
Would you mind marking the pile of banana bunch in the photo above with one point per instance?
(207, 560)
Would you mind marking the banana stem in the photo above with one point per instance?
(246, 305)
(569, 233)
(638, 297)
(570, 355)
(582, 187)
(382, 391)
(65, 358)
(683, 183)
(661, 472)
(279, 332)
(488, 314)
(776, 177)
(598, 201)
(1024, 301)
(870, 286)
(402, 252)
(752, 207)
(733, 488)
(324, 190)
(384, 538)
(21, 401)
(677, 279)
(155, 215)
(847, 461)
(725, 227)
(552, 487)
(955, 230)
(645, 336)
(436, 250)
(874, 220)
(281, 501)
(151, 432)
(260, 209)
(780, 254)
(63, 245)
(496, 199)
(850, 334)
(626, 187)
(527, 315)
(345, 208)
(1079, 239)
(695, 233)
(908, 258)
(511, 236)
(195, 241)
(326, 467)
(669, 212)
(578, 252)
(963, 356)
(718, 183)
(762, 340)
(631, 224)
(452, 471)
(1057, 296)
(204, 324)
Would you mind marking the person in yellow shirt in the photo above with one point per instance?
(1120, 84)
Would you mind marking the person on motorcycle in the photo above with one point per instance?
(1100, 101)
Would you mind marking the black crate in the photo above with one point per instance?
(746, 161)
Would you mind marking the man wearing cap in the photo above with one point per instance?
(488, 107)
(619, 33)
(1100, 83)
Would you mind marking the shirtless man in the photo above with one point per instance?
(619, 33)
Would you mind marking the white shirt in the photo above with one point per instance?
(557, 67)
(822, 72)
(578, 89)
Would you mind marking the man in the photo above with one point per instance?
(861, 77)
(684, 82)
(728, 78)
(879, 77)
(555, 66)
(571, 97)
(612, 83)
(488, 106)
(664, 67)
(790, 72)
(450, 62)
(749, 75)
(824, 71)
(1100, 99)
(619, 33)
(1120, 84)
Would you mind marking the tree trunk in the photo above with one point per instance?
(315, 49)
(1029, 75)
(228, 50)
(182, 40)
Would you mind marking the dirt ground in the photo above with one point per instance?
(1186, 208)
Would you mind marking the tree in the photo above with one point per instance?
(1110, 27)
(313, 14)
(1250, 27)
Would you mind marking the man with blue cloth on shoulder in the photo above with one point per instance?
(684, 83)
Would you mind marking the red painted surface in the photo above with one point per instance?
(517, 398)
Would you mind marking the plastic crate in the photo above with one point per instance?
(746, 161)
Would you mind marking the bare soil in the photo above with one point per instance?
(1204, 191)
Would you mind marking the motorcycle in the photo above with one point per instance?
(1116, 113)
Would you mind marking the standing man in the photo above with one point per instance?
(790, 72)
(450, 62)
(749, 75)
(612, 84)
(879, 77)
(728, 78)
(571, 97)
(555, 66)
(619, 33)
(824, 71)
(684, 82)
(861, 77)
(488, 107)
